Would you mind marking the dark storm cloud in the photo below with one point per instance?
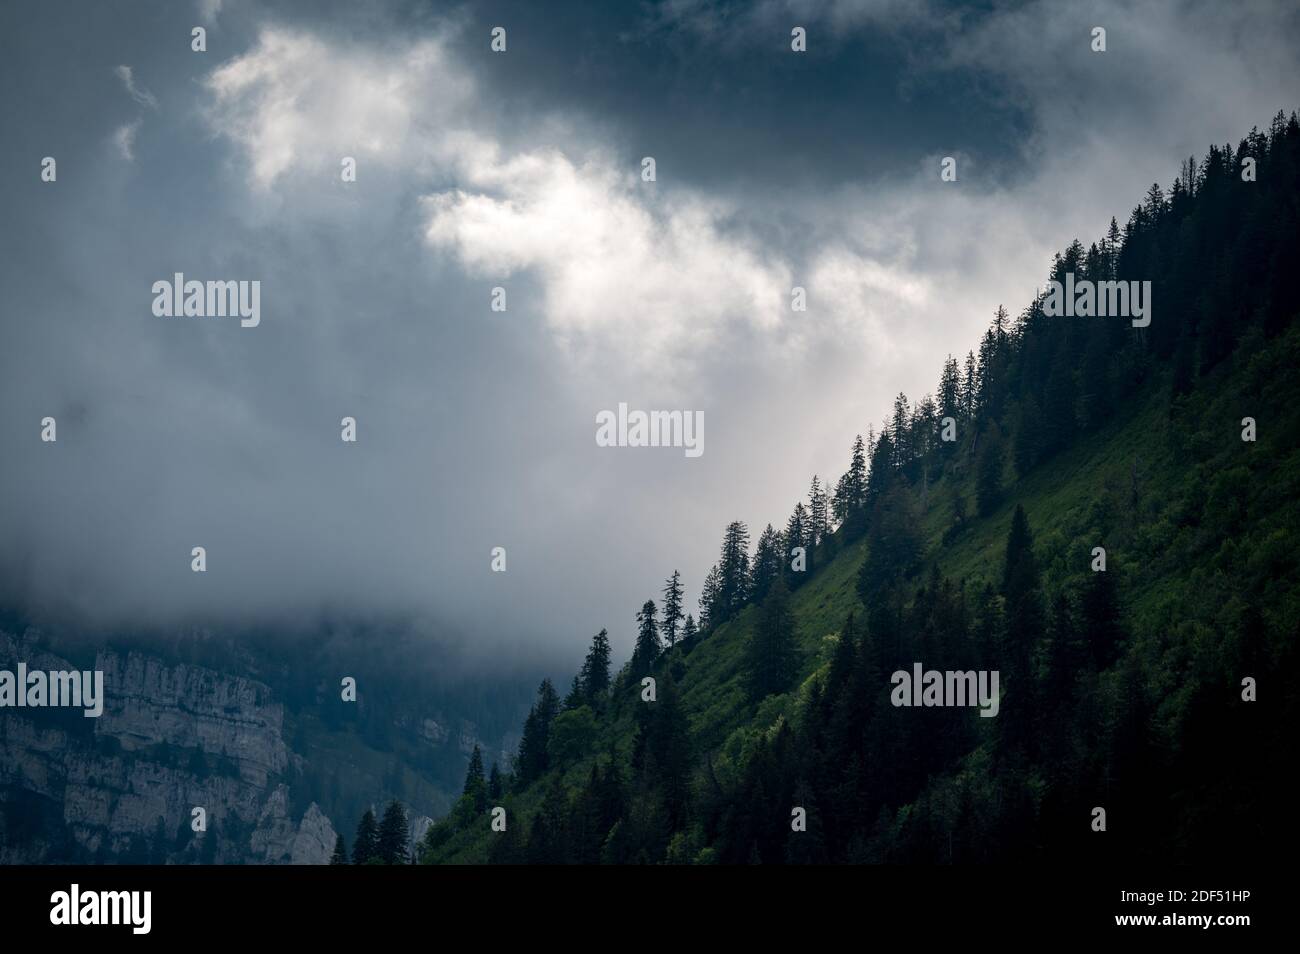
(477, 170)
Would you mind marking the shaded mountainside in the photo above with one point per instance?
(267, 748)
(1128, 689)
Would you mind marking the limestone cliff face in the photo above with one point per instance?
(172, 738)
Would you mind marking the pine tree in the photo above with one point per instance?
(1100, 613)
(666, 746)
(950, 390)
(340, 856)
(882, 475)
(1113, 244)
(391, 846)
(595, 671)
(710, 608)
(769, 657)
(1059, 400)
(690, 634)
(475, 783)
(898, 428)
(365, 846)
(988, 474)
(672, 606)
(733, 569)
(796, 535)
(894, 544)
(648, 647)
(807, 847)
(1019, 571)
(970, 375)
(575, 697)
(1024, 631)
(495, 786)
(767, 562)
(532, 759)
(1028, 437)
(818, 513)
(851, 493)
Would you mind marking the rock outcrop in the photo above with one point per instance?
(124, 786)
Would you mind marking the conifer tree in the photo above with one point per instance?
(710, 609)
(898, 427)
(851, 493)
(665, 746)
(807, 847)
(648, 647)
(575, 697)
(1025, 630)
(690, 634)
(1100, 613)
(672, 609)
(1019, 570)
(769, 658)
(950, 390)
(733, 572)
(340, 856)
(796, 535)
(532, 759)
(391, 846)
(818, 513)
(595, 671)
(495, 786)
(767, 562)
(969, 377)
(988, 474)
(475, 783)
(365, 846)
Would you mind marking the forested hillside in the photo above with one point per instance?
(1107, 531)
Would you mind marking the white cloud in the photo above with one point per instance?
(209, 10)
(124, 139)
(297, 104)
(141, 96)
(651, 279)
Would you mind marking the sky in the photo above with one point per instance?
(521, 169)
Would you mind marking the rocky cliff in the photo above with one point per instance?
(173, 738)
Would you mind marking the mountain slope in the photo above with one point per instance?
(1143, 708)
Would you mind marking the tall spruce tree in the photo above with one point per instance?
(710, 608)
(767, 562)
(690, 634)
(796, 536)
(818, 512)
(365, 846)
(648, 647)
(769, 656)
(475, 782)
(391, 846)
(595, 671)
(733, 572)
(532, 761)
(988, 473)
(950, 390)
(672, 609)
(340, 856)
(851, 493)
(1099, 609)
